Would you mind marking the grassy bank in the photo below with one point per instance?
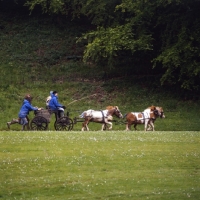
(38, 55)
(99, 165)
(181, 115)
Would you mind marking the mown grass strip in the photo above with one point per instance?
(99, 165)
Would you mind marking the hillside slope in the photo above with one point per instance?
(40, 53)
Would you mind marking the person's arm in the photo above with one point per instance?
(33, 108)
(56, 103)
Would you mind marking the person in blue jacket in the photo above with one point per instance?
(55, 106)
(25, 109)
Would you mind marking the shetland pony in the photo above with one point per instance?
(146, 117)
(103, 116)
(160, 109)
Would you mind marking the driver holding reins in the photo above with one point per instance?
(54, 105)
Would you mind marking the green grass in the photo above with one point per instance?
(100, 165)
(34, 51)
(88, 165)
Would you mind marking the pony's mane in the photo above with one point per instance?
(110, 107)
(152, 108)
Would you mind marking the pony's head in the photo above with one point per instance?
(160, 111)
(115, 111)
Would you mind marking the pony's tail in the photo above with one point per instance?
(82, 115)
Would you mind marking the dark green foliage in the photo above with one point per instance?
(132, 37)
(179, 27)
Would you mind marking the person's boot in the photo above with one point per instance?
(28, 127)
(8, 124)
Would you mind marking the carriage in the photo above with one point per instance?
(42, 119)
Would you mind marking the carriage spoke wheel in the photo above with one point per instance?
(63, 124)
(39, 123)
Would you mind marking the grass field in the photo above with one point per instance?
(73, 165)
(100, 165)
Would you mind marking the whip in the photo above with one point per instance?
(81, 99)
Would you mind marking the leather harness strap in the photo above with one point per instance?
(146, 118)
(103, 120)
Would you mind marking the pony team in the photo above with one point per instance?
(147, 117)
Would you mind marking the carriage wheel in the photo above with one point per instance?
(39, 123)
(63, 124)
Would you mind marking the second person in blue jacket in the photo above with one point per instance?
(54, 105)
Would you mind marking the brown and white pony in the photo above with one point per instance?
(160, 110)
(103, 116)
(146, 117)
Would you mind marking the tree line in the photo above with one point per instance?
(136, 36)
